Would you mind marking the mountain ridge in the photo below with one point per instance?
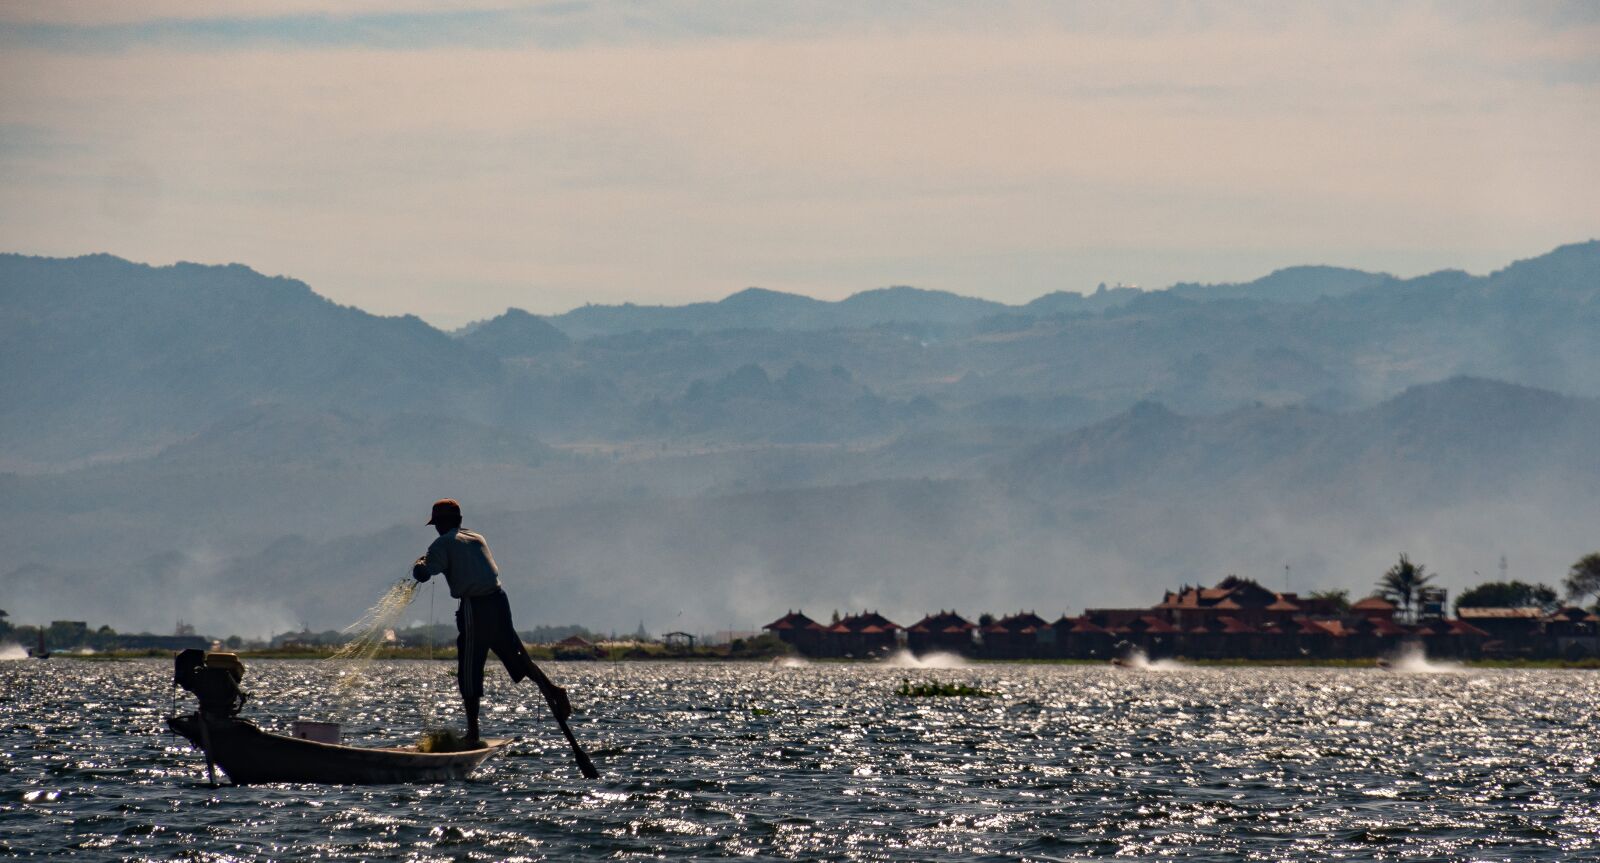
(232, 446)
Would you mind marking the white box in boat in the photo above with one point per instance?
(320, 732)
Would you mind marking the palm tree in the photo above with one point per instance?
(1405, 583)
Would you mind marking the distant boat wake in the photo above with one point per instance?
(907, 659)
(1412, 659)
(1138, 660)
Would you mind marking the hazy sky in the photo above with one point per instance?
(401, 157)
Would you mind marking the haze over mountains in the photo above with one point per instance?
(210, 443)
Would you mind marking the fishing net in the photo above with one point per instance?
(367, 635)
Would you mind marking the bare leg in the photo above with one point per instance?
(470, 656)
(554, 695)
(471, 703)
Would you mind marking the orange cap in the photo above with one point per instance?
(445, 509)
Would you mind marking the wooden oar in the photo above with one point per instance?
(554, 695)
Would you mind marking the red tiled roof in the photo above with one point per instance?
(1320, 627)
(856, 622)
(1235, 626)
(1384, 626)
(944, 620)
(1283, 605)
(1022, 620)
(1461, 627)
(1373, 603)
(793, 620)
(1499, 613)
(1186, 599)
(1158, 626)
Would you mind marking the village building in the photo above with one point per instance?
(943, 632)
(861, 635)
(799, 631)
(1236, 618)
(1374, 607)
(1574, 633)
(1015, 636)
(1512, 631)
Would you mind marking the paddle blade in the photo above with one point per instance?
(586, 766)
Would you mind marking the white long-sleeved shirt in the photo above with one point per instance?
(464, 559)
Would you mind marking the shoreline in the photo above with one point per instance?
(417, 654)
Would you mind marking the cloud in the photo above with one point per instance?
(546, 155)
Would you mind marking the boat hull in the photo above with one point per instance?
(251, 756)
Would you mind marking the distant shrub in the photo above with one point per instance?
(934, 689)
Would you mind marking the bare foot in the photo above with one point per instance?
(559, 704)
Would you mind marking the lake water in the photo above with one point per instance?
(824, 762)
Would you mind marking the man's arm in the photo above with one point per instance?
(430, 564)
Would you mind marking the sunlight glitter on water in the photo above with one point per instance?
(825, 762)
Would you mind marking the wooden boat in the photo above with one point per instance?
(251, 756)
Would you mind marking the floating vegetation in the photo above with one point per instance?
(369, 633)
(933, 689)
(444, 740)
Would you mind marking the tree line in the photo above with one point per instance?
(1409, 584)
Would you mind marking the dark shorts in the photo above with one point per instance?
(483, 623)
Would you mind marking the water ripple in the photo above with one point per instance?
(824, 762)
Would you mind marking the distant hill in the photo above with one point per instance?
(1460, 436)
(514, 334)
(756, 308)
(112, 359)
(234, 445)
(752, 308)
(1456, 473)
(104, 356)
(1288, 285)
(1070, 303)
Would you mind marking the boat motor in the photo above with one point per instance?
(213, 678)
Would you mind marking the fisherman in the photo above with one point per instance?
(483, 620)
